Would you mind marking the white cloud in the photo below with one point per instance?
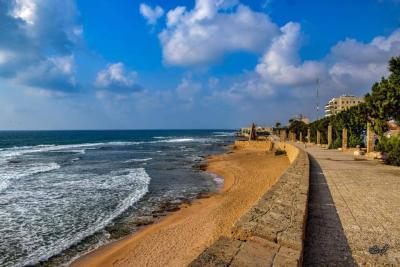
(115, 78)
(350, 67)
(44, 93)
(151, 14)
(281, 65)
(39, 37)
(63, 65)
(207, 32)
(6, 56)
(54, 73)
(174, 15)
(24, 10)
(357, 65)
(214, 28)
(187, 89)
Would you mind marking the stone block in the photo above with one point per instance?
(255, 253)
(220, 253)
(291, 238)
(287, 257)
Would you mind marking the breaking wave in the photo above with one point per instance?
(83, 223)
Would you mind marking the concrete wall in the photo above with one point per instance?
(272, 232)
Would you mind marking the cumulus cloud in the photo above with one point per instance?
(151, 14)
(38, 36)
(357, 64)
(25, 10)
(116, 78)
(211, 29)
(350, 67)
(187, 90)
(281, 64)
(53, 74)
(214, 28)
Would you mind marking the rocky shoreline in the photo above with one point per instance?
(123, 227)
(180, 237)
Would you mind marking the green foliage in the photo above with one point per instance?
(383, 104)
(337, 143)
(298, 127)
(390, 147)
(355, 140)
(354, 119)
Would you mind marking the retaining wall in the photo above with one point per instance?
(272, 232)
(261, 144)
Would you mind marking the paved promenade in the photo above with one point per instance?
(354, 208)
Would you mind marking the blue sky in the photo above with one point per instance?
(127, 64)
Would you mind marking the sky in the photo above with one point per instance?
(186, 64)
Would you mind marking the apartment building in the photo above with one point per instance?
(337, 104)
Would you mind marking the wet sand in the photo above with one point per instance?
(180, 237)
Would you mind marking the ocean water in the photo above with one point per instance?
(63, 193)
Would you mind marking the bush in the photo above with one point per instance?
(355, 141)
(337, 143)
(280, 152)
(390, 146)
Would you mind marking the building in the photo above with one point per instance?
(260, 131)
(337, 104)
(299, 117)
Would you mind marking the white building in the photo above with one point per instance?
(337, 104)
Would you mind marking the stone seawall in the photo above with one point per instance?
(272, 232)
(267, 145)
(292, 151)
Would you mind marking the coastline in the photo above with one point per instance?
(181, 236)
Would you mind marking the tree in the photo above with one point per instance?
(277, 124)
(297, 127)
(383, 104)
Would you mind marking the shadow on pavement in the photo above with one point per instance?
(326, 243)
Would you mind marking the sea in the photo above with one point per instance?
(65, 193)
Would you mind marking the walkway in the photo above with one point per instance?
(353, 206)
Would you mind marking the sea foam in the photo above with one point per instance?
(72, 231)
(13, 172)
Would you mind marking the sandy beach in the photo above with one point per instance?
(180, 237)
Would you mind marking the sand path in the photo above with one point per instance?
(182, 236)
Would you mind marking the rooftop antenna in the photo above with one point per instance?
(317, 100)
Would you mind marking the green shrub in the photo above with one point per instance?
(355, 141)
(337, 143)
(390, 146)
(280, 152)
(379, 146)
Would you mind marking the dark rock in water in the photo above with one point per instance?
(156, 211)
(143, 220)
(201, 166)
(118, 230)
(173, 209)
(176, 201)
(14, 161)
(186, 201)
